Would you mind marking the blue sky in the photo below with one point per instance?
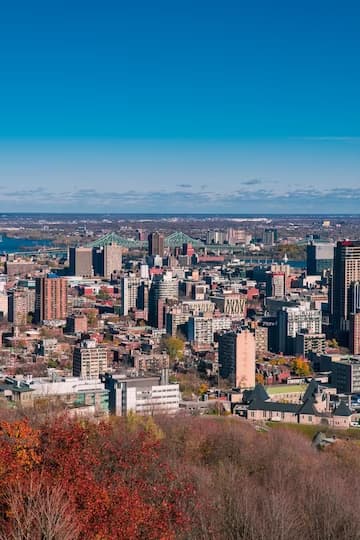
(175, 106)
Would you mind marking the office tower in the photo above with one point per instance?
(270, 237)
(50, 298)
(107, 260)
(354, 333)
(112, 259)
(354, 297)
(163, 287)
(80, 261)
(89, 360)
(156, 244)
(293, 320)
(319, 257)
(275, 284)
(346, 271)
(20, 304)
(237, 358)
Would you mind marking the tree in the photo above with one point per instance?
(301, 367)
(174, 346)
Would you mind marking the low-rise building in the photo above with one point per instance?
(142, 395)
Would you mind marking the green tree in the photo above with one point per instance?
(174, 346)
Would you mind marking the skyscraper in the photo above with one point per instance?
(107, 259)
(80, 261)
(237, 357)
(156, 244)
(50, 298)
(354, 334)
(163, 287)
(319, 257)
(346, 271)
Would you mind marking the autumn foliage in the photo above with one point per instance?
(102, 481)
(173, 478)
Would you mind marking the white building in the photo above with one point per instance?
(142, 395)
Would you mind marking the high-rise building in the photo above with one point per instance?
(275, 284)
(293, 320)
(200, 330)
(319, 257)
(270, 237)
(354, 333)
(112, 259)
(346, 271)
(237, 358)
(107, 260)
(354, 299)
(89, 360)
(80, 261)
(20, 304)
(163, 287)
(129, 286)
(156, 244)
(50, 298)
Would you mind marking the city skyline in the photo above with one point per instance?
(238, 108)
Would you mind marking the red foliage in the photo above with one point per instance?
(113, 477)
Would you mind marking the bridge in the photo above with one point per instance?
(175, 239)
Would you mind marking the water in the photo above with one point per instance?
(12, 245)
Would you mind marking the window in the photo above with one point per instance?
(310, 418)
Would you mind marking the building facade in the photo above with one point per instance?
(89, 360)
(237, 351)
(50, 298)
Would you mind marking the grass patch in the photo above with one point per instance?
(286, 389)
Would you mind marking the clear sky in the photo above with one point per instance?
(190, 105)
